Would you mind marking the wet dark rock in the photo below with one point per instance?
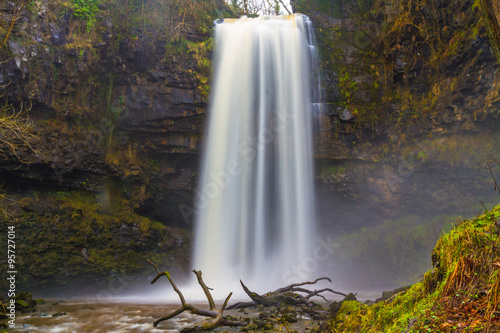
(28, 310)
(25, 302)
(290, 316)
(345, 115)
(265, 314)
(259, 325)
(386, 295)
(321, 315)
(24, 296)
(21, 304)
(335, 307)
(58, 314)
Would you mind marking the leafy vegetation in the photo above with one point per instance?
(86, 10)
(461, 293)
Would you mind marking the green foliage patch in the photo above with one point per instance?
(86, 10)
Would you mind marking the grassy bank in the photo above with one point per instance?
(460, 294)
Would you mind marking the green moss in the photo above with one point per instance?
(77, 236)
(199, 52)
(86, 10)
(467, 238)
(333, 173)
(422, 156)
(382, 56)
(455, 151)
(350, 313)
(331, 8)
(463, 271)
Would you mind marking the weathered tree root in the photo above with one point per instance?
(217, 315)
(286, 295)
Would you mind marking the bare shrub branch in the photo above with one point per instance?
(17, 133)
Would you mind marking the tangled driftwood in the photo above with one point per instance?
(217, 315)
(286, 302)
(286, 295)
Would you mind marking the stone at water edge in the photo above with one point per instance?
(335, 306)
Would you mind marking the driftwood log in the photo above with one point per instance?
(218, 318)
(284, 296)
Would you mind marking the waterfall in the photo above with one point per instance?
(255, 200)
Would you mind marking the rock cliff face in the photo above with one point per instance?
(120, 98)
(414, 101)
(117, 96)
(404, 85)
(120, 94)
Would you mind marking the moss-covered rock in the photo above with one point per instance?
(82, 239)
(21, 305)
(25, 302)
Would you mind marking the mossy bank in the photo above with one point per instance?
(460, 294)
(64, 239)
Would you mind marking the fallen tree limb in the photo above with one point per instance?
(317, 293)
(286, 295)
(217, 315)
(290, 287)
(256, 297)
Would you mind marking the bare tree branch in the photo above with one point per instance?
(283, 295)
(217, 315)
(287, 288)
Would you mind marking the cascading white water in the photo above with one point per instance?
(255, 200)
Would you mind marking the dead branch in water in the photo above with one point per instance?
(217, 315)
(286, 295)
